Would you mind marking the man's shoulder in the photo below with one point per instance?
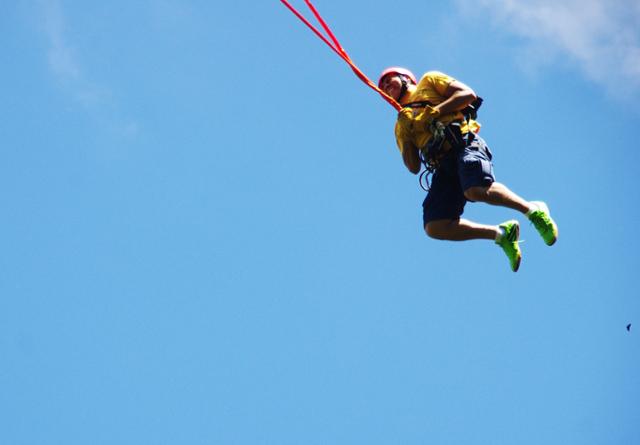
(435, 75)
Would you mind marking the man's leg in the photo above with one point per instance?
(537, 211)
(444, 205)
(506, 235)
(460, 230)
(498, 194)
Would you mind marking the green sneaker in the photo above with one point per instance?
(509, 242)
(543, 223)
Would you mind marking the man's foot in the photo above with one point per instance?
(509, 242)
(543, 222)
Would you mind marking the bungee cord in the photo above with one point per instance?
(338, 49)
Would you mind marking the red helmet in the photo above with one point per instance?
(397, 70)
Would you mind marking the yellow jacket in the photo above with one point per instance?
(412, 125)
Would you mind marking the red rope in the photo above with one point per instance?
(339, 50)
(313, 28)
(326, 28)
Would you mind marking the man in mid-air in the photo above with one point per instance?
(436, 127)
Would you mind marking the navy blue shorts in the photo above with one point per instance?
(459, 170)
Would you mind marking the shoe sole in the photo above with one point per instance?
(515, 269)
(519, 258)
(543, 206)
(555, 238)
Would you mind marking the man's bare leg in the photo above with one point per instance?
(460, 230)
(498, 194)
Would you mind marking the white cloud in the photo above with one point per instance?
(601, 36)
(69, 72)
(62, 60)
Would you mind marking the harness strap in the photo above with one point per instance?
(452, 135)
(418, 104)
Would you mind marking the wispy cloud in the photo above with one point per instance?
(63, 61)
(68, 71)
(601, 36)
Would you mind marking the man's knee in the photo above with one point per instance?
(476, 193)
(437, 229)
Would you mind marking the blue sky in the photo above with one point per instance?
(208, 235)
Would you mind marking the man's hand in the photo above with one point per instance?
(458, 96)
(426, 116)
(431, 112)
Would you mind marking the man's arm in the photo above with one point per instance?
(458, 96)
(410, 157)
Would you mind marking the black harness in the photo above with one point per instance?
(432, 153)
(469, 112)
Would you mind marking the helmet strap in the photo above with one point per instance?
(403, 89)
